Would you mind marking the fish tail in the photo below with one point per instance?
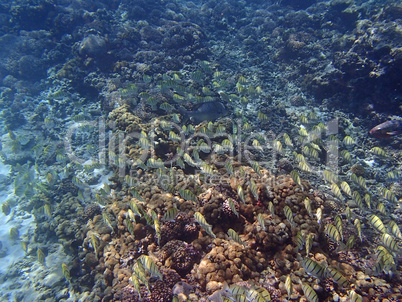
(185, 114)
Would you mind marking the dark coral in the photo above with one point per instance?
(128, 294)
(92, 210)
(170, 276)
(180, 256)
(182, 228)
(29, 16)
(66, 186)
(160, 292)
(184, 258)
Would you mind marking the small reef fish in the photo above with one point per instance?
(309, 293)
(313, 268)
(387, 129)
(208, 111)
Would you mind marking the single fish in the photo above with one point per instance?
(387, 129)
(208, 111)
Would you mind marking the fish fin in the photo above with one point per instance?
(185, 114)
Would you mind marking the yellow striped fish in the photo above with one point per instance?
(296, 178)
(107, 221)
(347, 141)
(313, 268)
(362, 182)
(354, 297)
(336, 191)
(240, 192)
(309, 243)
(130, 226)
(390, 243)
(350, 242)
(170, 214)
(381, 208)
(346, 155)
(131, 215)
(204, 224)
(150, 266)
(358, 228)
(329, 176)
(377, 223)
(236, 238)
(157, 228)
(367, 199)
(66, 271)
(188, 195)
(233, 207)
(289, 215)
(346, 188)
(332, 232)
(336, 276)
(136, 195)
(147, 217)
(358, 199)
(303, 131)
(256, 168)
(271, 208)
(258, 294)
(388, 195)
(253, 189)
(348, 213)
(307, 205)
(136, 284)
(277, 146)
(263, 293)
(229, 167)
(309, 293)
(261, 220)
(339, 226)
(135, 208)
(289, 286)
(304, 166)
(95, 244)
(235, 290)
(378, 151)
(393, 227)
(384, 254)
(319, 215)
(287, 140)
(354, 178)
(299, 240)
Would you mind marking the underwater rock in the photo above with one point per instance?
(183, 35)
(27, 67)
(182, 228)
(184, 258)
(160, 292)
(92, 46)
(180, 256)
(29, 17)
(150, 34)
(91, 210)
